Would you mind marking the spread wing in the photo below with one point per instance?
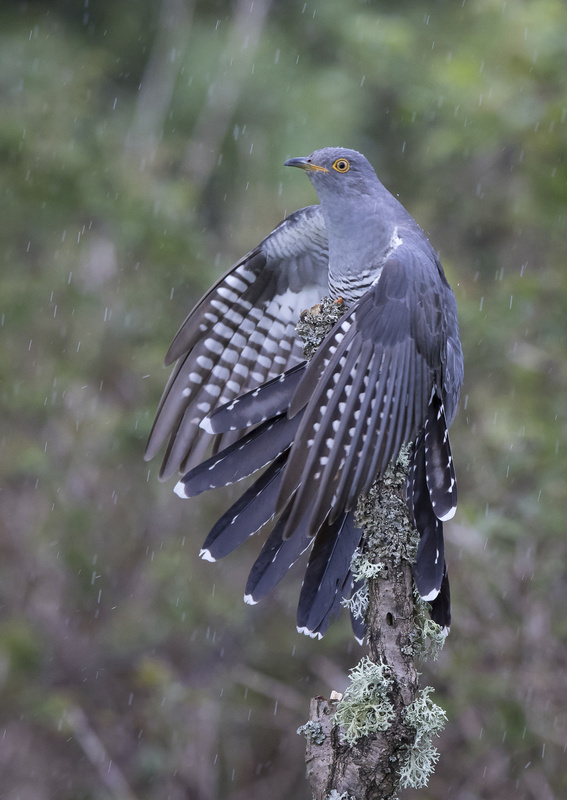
(240, 334)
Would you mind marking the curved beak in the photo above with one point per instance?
(304, 163)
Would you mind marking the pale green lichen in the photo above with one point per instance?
(428, 637)
(366, 706)
(357, 603)
(428, 720)
(343, 796)
(391, 538)
(362, 569)
(312, 731)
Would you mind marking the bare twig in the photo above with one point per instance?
(109, 773)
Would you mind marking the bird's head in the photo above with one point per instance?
(337, 171)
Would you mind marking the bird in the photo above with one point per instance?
(387, 375)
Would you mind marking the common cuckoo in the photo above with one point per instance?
(389, 373)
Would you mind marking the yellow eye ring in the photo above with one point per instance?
(341, 165)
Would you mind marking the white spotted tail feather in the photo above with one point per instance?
(439, 466)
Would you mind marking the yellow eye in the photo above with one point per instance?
(341, 165)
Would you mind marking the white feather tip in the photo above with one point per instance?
(179, 490)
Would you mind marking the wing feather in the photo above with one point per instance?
(276, 558)
(253, 509)
(241, 333)
(327, 577)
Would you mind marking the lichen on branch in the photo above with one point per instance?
(366, 706)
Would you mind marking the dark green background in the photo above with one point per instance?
(142, 147)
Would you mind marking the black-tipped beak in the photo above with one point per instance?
(304, 163)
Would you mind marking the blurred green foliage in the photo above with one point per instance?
(142, 144)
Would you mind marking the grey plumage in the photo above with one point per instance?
(388, 374)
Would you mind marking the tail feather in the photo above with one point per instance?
(441, 606)
(430, 559)
(439, 466)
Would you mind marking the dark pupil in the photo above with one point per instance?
(341, 165)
